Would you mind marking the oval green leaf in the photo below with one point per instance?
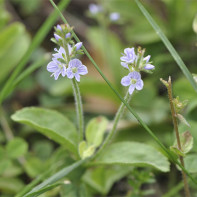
(16, 147)
(50, 123)
(133, 153)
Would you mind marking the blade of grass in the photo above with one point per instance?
(57, 176)
(168, 45)
(169, 154)
(39, 37)
(38, 63)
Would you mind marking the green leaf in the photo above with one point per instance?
(190, 162)
(133, 153)
(4, 164)
(16, 147)
(50, 123)
(95, 130)
(10, 185)
(186, 141)
(102, 178)
(10, 53)
(86, 151)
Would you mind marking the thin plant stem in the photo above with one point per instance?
(6, 128)
(115, 124)
(79, 108)
(78, 102)
(174, 115)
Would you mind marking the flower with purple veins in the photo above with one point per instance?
(95, 9)
(147, 65)
(56, 68)
(114, 16)
(133, 80)
(128, 56)
(75, 69)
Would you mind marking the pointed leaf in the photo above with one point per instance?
(50, 123)
(95, 130)
(133, 153)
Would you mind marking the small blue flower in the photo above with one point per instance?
(114, 16)
(75, 69)
(78, 45)
(133, 80)
(148, 66)
(56, 68)
(61, 53)
(59, 27)
(57, 37)
(68, 35)
(95, 9)
(128, 56)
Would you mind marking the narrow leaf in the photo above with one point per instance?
(57, 176)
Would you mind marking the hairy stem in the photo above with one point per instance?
(174, 115)
(78, 102)
(79, 109)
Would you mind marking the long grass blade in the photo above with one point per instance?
(169, 154)
(57, 176)
(168, 45)
(39, 37)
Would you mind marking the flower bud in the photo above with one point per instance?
(78, 45)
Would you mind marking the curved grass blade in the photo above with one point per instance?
(38, 63)
(169, 154)
(168, 45)
(40, 35)
(57, 176)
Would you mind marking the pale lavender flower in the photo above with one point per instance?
(114, 16)
(133, 80)
(78, 45)
(59, 27)
(128, 56)
(95, 9)
(68, 35)
(61, 53)
(56, 68)
(57, 37)
(148, 66)
(75, 69)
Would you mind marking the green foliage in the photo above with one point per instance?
(102, 178)
(16, 148)
(50, 123)
(10, 54)
(133, 153)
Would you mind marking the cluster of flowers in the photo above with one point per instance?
(64, 61)
(135, 63)
(96, 9)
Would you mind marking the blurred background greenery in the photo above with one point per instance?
(105, 40)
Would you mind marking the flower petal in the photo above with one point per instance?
(124, 65)
(126, 81)
(52, 66)
(63, 71)
(82, 70)
(147, 58)
(139, 84)
(149, 67)
(70, 74)
(77, 77)
(131, 88)
(135, 75)
(56, 74)
(74, 63)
